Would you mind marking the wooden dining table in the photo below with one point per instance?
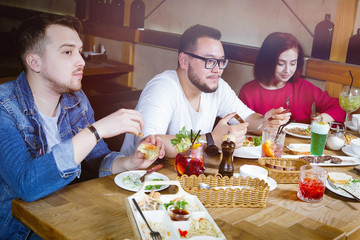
(96, 209)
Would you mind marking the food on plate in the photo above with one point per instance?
(322, 159)
(299, 131)
(200, 227)
(150, 151)
(348, 138)
(150, 202)
(281, 168)
(339, 177)
(156, 227)
(252, 141)
(132, 181)
(299, 149)
(353, 186)
(151, 187)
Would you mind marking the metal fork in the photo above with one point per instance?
(340, 187)
(285, 110)
(154, 235)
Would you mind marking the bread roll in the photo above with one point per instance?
(339, 177)
(150, 151)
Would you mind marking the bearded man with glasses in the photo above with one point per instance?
(194, 95)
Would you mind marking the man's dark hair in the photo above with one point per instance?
(31, 33)
(267, 58)
(189, 38)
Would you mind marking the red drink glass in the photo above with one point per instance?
(190, 163)
(311, 183)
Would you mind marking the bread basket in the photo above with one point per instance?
(254, 195)
(283, 176)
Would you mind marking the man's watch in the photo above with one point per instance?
(211, 149)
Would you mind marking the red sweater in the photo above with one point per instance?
(303, 94)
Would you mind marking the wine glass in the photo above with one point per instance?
(349, 101)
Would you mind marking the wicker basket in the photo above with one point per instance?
(281, 176)
(255, 196)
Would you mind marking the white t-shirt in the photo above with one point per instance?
(166, 109)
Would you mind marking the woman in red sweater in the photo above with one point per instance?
(277, 72)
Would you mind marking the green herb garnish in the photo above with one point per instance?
(151, 187)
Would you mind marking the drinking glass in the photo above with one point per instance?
(349, 101)
(319, 132)
(311, 183)
(190, 162)
(272, 144)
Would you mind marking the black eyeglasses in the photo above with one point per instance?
(210, 63)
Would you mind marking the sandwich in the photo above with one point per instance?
(339, 177)
(150, 151)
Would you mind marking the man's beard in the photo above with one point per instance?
(62, 88)
(194, 79)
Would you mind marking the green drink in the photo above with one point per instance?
(319, 132)
(349, 102)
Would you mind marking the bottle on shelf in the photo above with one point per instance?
(117, 12)
(226, 167)
(353, 52)
(322, 39)
(137, 14)
(80, 10)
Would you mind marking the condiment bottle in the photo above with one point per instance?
(226, 167)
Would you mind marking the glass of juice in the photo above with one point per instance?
(191, 161)
(319, 132)
(311, 183)
(349, 100)
(272, 145)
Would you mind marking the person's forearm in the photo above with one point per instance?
(83, 143)
(254, 121)
(170, 150)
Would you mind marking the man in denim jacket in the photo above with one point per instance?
(47, 124)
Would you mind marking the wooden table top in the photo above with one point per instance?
(96, 210)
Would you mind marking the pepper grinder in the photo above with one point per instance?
(226, 167)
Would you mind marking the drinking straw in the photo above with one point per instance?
(352, 80)
(191, 140)
(192, 143)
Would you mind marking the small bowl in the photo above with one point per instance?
(355, 146)
(253, 172)
(178, 214)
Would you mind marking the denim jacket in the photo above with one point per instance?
(25, 171)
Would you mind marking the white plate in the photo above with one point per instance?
(155, 175)
(347, 161)
(248, 152)
(272, 183)
(299, 125)
(347, 150)
(338, 191)
(299, 147)
(352, 127)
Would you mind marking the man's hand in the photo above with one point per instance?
(277, 117)
(138, 160)
(121, 121)
(223, 128)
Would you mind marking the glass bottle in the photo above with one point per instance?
(353, 52)
(226, 167)
(137, 14)
(322, 39)
(117, 12)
